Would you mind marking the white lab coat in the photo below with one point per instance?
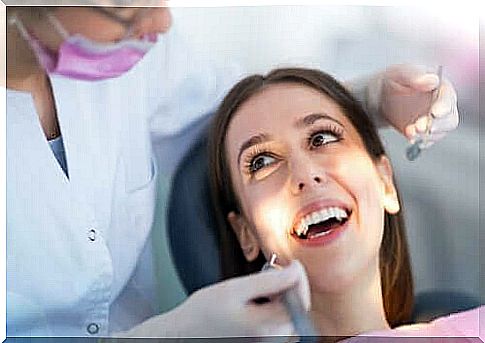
(73, 244)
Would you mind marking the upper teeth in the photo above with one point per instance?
(320, 216)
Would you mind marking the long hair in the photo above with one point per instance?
(395, 267)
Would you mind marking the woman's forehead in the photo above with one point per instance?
(283, 105)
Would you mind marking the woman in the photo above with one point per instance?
(299, 170)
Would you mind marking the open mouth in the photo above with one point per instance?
(321, 223)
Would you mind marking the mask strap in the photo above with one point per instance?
(33, 42)
(57, 25)
(14, 20)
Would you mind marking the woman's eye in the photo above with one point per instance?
(261, 161)
(321, 138)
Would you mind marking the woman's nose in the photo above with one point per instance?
(302, 184)
(306, 176)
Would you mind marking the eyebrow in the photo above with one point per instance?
(302, 122)
(313, 117)
(253, 140)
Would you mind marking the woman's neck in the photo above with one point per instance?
(352, 310)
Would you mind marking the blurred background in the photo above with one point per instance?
(441, 189)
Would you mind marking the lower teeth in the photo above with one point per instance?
(320, 234)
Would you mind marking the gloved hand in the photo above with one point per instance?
(228, 309)
(403, 96)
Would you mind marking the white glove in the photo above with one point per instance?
(402, 95)
(228, 309)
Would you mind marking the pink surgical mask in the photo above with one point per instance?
(82, 59)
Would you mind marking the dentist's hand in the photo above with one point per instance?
(403, 95)
(228, 308)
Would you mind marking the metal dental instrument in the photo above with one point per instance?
(415, 149)
(301, 321)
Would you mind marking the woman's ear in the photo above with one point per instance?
(391, 201)
(246, 237)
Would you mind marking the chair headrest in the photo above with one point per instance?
(191, 223)
(432, 304)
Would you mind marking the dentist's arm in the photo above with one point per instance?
(401, 96)
(228, 309)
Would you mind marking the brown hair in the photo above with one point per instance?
(395, 268)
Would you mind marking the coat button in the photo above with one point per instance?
(92, 235)
(93, 328)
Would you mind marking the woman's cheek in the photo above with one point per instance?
(270, 216)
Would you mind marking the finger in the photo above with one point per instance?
(303, 288)
(272, 311)
(421, 124)
(399, 88)
(446, 102)
(410, 132)
(269, 319)
(419, 127)
(407, 79)
(274, 329)
(268, 283)
(444, 124)
(407, 75)
(403, 73)
(425, 82)
(429, 139)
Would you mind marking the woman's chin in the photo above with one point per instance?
(335, 276)
(332, 283)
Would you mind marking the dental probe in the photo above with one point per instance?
(301, 321)
(415, 149)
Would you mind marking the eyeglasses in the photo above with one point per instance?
(128, 24)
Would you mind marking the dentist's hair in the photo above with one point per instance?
(395, 267)
(15, 7)
(108, 3)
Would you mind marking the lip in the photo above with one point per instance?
(316, 206)
(323, 240)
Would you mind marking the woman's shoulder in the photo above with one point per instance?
(469, 323)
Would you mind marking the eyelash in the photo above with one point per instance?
(264, 152)
(332, 130)
(253, 155)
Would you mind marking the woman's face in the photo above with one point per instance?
(307, 187)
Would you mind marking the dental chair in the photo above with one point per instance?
(195, 248)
